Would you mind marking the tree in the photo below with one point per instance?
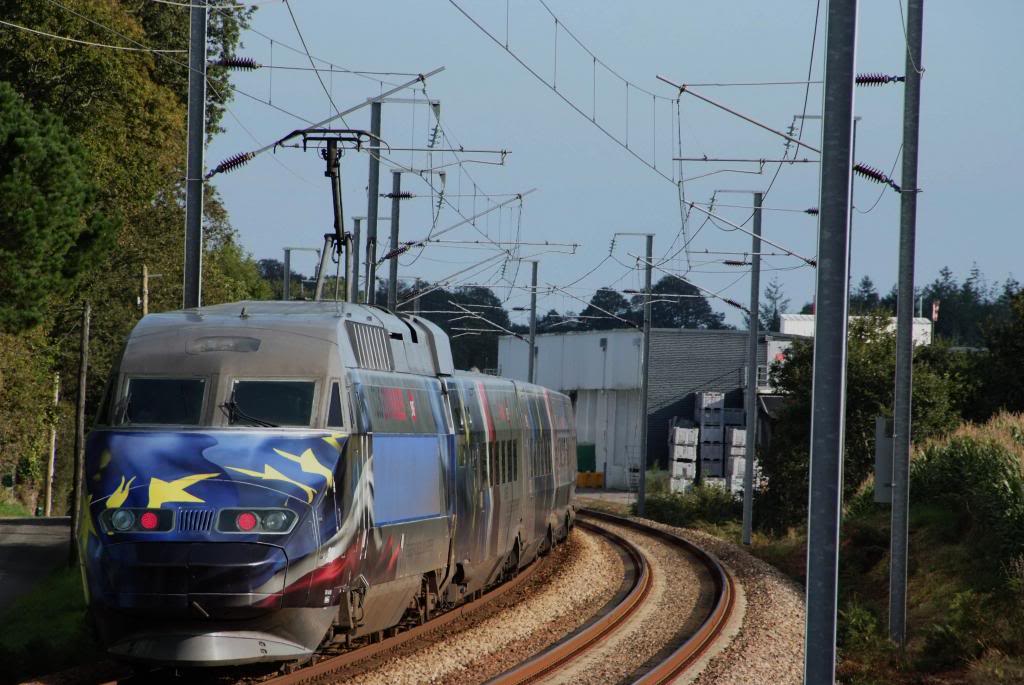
(1003, 371)
(678, 304)
(865, 298)
(871, 363)
(774, 305)
(50, 223)
(607, 310)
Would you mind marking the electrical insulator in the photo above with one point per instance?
(875, 175)
(232, 163)
(813, 211)
(878, 79)
(243, 63)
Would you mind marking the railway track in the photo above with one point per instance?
(553, 663)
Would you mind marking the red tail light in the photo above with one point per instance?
(246, 521)
(149, 520)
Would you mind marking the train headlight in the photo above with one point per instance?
(122, 520)
(275, 521)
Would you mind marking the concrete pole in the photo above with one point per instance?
(531, 364)
(641, 500)
(286, 285)
(396, 191)
(145, 290)
(905, 330)
(352, 285)
(194, 163)
(751, 397)
(829, 380)
(373, 195)
(52, 463)
(78, 474)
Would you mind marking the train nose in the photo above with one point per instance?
(198, 579)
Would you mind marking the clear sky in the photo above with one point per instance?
(589, 187)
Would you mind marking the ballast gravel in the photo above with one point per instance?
(673, 610)
(580, 577)
(769, 647)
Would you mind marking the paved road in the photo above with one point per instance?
(29, 549)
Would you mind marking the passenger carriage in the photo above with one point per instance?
(264, 475)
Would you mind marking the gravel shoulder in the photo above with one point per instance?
(579, 578)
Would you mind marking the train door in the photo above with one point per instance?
(466, 485)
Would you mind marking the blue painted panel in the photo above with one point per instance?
(408, 477)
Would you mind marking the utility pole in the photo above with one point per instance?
(829, 380)
(373, 190)
(52, 464)
(396, 198)
(352, 285)
(644, 376)
(145, 290)
(194, 164)
(751, 398)
(904, 330)
(286, 285)
(531, 364)
(78, 474)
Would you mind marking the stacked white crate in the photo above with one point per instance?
(736, 457)
(710, 414)
(684, 457)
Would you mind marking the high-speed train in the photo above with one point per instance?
(265, 476)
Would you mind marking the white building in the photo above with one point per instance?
(803, 324)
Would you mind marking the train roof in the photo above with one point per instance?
(366, 336)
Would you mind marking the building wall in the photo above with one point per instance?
(684, 362)
(590, 360)
(608, 419)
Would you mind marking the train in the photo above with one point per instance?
(264, 477)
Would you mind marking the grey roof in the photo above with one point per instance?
(303, 329)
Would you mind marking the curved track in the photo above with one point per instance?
(684, 656)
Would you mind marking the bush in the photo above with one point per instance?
(702, 504)
(957, 640)
(978, 474)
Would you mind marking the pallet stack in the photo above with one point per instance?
(736, 458)
(684, 440)
(709, 413)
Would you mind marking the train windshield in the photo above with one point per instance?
(271, 403)
(175, 401)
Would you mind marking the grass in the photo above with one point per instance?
(9, 509)
(45, 630)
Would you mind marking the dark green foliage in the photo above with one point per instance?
(870, 370)
(683, 306)
(608, 310)
(706, 504)
(49, 219)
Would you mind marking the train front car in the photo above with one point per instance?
(228, 513)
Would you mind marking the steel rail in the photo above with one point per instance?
(713, 625)
(561, 653)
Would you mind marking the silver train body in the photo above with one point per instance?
(263, 476)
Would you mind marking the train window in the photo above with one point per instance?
(398, 403)
(334, 415)
(275, 403)
(174, 401)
